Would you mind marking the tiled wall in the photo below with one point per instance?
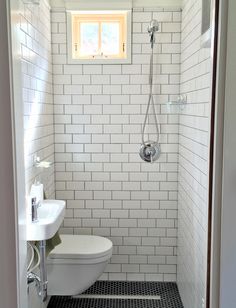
(38, 101)
(37, 92)
(99, 111)
(193, 159)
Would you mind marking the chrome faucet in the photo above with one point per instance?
(34, 209)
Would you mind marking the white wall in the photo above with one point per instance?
(99, 110)
(193, 159)
(8, 252)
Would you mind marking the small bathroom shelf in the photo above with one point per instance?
(38, 163)
(178, 105)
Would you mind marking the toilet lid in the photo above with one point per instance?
(81, 246)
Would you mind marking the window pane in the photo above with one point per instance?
(89, 39)
(110, 38)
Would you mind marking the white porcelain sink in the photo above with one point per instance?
(50, 216)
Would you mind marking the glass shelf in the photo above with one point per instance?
(178, 105)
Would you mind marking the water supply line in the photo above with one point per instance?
(31, 276)
(40, 280)
(33, 249)
(150, 150)
(32, 257)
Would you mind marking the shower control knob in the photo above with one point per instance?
(150, 151)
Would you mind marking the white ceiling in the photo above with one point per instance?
(117, 3)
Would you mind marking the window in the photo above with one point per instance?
(99, 37)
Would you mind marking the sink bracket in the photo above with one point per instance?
(43, 270)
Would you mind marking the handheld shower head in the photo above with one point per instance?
(152, 28)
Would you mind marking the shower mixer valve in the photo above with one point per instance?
(150, 151)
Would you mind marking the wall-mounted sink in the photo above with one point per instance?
(50, 216)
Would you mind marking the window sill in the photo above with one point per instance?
(99, 61)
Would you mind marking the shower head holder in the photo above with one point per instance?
(153, 26)
(152, 29)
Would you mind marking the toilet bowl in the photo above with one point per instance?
(75, 264)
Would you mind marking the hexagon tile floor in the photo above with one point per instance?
(123, 294)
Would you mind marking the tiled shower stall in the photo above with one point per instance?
(88, 120)
(98, 115)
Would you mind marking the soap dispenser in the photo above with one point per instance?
(37, 192)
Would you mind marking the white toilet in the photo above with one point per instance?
(75, 264)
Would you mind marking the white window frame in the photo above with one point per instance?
(126, 60)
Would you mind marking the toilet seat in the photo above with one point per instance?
(81, 249)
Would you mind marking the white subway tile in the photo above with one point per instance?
(120, 99)
(92, 89)
(72, 69)
(111, 69)
(92, 69)
(142, 17)
(112, 89)
(100, 79)
(101, 99)
(91, 109)
(120, 79)
(81, 99)
(80, 79)
(72, 89)
(171, 27)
